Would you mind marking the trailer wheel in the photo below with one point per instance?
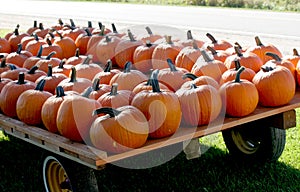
(67, 176)
(256, 144)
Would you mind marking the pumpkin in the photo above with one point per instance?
(128, 78)
(18, 58)
(119, 130)
(199, 104)
(34, 73)
(41, 31)
(107, 73)
(50, 109)
(260, 50)
(275, 85)
(240, 96)
(91, 48)
(218, 44)
(4, 46)
(172, 76)
(52, 79)
(125, 49)
(72, 31)
(98, 89)
(294, 58)
(34, 45)
(187, 57)
(59, 25)
(31, 29)
(49, 60)
(161, 108)
(246, 59)
(164, 51)
(142, 57)
(220, 55)
(50, 47)
(30, 102)
(13, 72)
(206, 65)
(190, 41)
(115, 32)
(62, 68)
(278, 61)
(74, 116)
(230, 74)
(77, 58)
(86, 69)
(105, 49)
(3, 82)
(75, 84)
(82, 41)
(67, 45)
(197, 81)
(231, 50)
(100, 28)
(116, 98)
(15, 39)
(149, 36)
(4, 66)
(10, 93)
(31, 61)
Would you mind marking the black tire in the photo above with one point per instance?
(60, 174)
(255, 144)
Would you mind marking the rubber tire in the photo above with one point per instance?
(81, 178)
(255, 144)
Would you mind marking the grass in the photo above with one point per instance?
(215, 170)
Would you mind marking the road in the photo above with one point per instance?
(232, 24)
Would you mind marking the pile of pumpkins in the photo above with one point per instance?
(115, 91)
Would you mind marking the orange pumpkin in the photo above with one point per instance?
(31, 61)
(18, 58)
(294, 58)
(105, 49)
(142, 57)
(92, 44)
(30, 102)
(240, 96)
(34, 45)
(63, 68)
(34, 73)
(149, 36)
(275, 84)
(13, 72)
(3, 82)
(218, 44)
(115, 32)
(67, 45)
(161, 108)
(119, 130)
(86, 69)
(202, 80)
(190, 41)
(82, 41)
(15, 39)
(107, 73)
(50, 47)
(31, 29)
(4, 46)
(76, 59)
(10, 93)
(220, 55)
(49, 60)
(99, 89)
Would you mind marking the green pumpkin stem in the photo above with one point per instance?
(211, 37)
(130, 35)
(237, 44)
(189, 35)
(34, 24)
(107, 39)
(127, 67)
(238, 51)
(41, 26)
(274, 56)
(60, 91)
(90, 24)
(148, 43)
(212, 50)
(149, 31)
(114, 89)
(33, 69)
(154, 81)
(88, 32)
(40, 51)
(295, 52)
(73, 75)
(60, 22)
(96, 83)
(86, 93)
(189, 75)
(193, 86)
(50, 55)
(258, 41)
(49, 72)
(87, 60)
(61, 63)
(19, 49)
(238, 74)
(237, 64)
(16, 32)
(40, 85)
(3, 63)
(12, 67)
(266, 68)
(114, 29)
(171, 65)
(205, 56)
(107, 110)
(169, 39)
(72, 23)
(21, 79)
(108, 66)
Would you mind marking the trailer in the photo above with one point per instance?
(259, 137)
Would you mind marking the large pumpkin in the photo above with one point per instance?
(119, 130)
(161, 108)
(105, 49)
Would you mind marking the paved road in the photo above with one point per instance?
(231, 24)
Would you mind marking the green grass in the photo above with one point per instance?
(215, 170)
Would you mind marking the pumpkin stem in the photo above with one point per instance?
(274, 56)
(60, 22)
(114, 89)
(52, 36)
(195, 46)
(33, 69)
(88, 32)
(238, 74)
(154, 81)
(36, 37)
(50, 55)
(60, 91)
(86, 93)
(41, 26)
(266, 68)
(295, 52)
(102, 30)
(130, 35)
(107, 39)
(49, 72)
(213, 40)
(72, 23)
(149, 80)
(34, 24)
(148, 43)
(90, 25)
(77, 53)
(212, 50)
(100, 25)
(206, 57)
(3, 63)
(193, 86)
(12, 66)
(149, 31)
(237, 44)
(87, 60)
(107, 110)
(258, 41)
(40, 85)
(108, 66)
(238, 51)
(21, 79)
(40, 51)
(171, 65)
(189, 75)
(189, 35)
(19, 49)
(169, 39)
(16, 32)
(73, 75)
(96, 83)
(127, 67)
(61, 64)
(114, 29)
(237, 64)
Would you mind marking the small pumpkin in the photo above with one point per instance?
(99, 89)
(88, 70)
(34, 45)
(142, 57)
(119, 130)
(82, 41)
(49, 60)
(31, 61)
(149, 36)
(34, 73)
(190, 41)
(4, 46)
(15, 39)
(18, 58)
(77, 58)
(218, 44)
(197, 81)
(294, 58)
(240, 96)
(220, 55)
(67, 45)
(105, 49)
(107, 73)
(50, 47)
